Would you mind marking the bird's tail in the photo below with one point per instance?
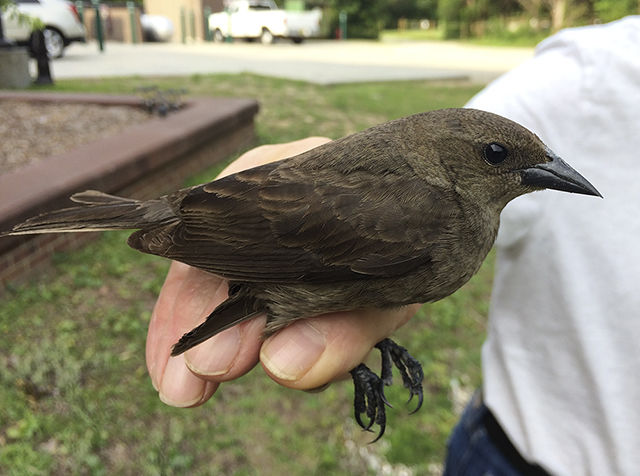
(99, 211)
(238, 307)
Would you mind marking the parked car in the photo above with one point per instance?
(261, 19)
(60, 19)
(156, 27)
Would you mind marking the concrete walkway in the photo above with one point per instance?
(323, 62)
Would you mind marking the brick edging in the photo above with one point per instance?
(145, 160)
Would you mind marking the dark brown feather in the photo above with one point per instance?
(300, 231)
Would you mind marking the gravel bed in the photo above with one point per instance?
(30, 132)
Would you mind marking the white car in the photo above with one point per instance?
(60, 19)
(263, 20)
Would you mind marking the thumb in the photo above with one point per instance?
(312, 352)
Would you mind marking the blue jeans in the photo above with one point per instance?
(479, 447)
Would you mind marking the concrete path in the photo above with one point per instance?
(323, 62)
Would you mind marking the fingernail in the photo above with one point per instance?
(292, 352)
(179, 387)
(216, 355)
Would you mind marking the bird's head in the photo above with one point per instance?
(496, 159)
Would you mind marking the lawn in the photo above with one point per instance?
(74, 391)
(500, 37)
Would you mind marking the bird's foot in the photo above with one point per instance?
(369, 398)
(410, 369)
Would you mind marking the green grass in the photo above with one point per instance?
(498, 37)
(432, 34)
(74, 391)
(514, 39)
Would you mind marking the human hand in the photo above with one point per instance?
(305, 355)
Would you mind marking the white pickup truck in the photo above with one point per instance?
(261, 19)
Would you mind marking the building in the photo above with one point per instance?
(188, 16)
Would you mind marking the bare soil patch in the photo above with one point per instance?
(30, 132)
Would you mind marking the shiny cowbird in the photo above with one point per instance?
(404, 212)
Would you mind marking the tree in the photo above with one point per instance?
(410, 9)
(450, 15)
(533, 10)
(364, 17)
(560, 13)
(3, 5)
(609, 10)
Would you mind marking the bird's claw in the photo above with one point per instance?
(410, 369)
(369, 399)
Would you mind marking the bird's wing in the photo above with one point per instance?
(273, 223)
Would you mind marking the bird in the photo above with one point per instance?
(403, 212)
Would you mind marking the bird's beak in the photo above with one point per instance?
(558, 175)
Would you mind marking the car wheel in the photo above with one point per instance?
(54, 42)
(218, 37)
(266, 37)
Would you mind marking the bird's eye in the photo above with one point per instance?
(495, 153)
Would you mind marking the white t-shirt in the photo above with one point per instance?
(561, 362)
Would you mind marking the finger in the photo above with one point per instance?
(311, 352)
(187, 296)
(265, 154)
(177, 310)
(230, 354)
(181, 388)
(157, 351)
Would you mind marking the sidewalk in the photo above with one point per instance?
(322, 62)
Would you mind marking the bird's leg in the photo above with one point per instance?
(410, 369)
(369, 395)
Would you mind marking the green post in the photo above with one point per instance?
(132, 21)
(192, 24)
(342, 20)
(99, 32)
(183, 25)
(80, 9)
(207, 31)
(229, 37)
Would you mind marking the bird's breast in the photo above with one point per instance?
(457, 256)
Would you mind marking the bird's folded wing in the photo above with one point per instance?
(273, 223)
